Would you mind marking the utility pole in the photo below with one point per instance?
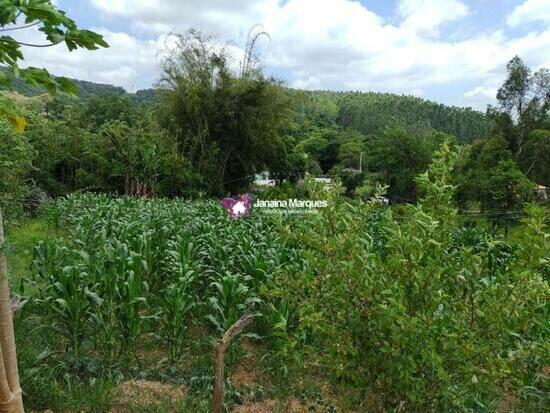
(10, 390)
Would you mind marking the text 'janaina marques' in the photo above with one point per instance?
(290, 203)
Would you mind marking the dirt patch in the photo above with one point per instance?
(267, 406)
(246, 371)
(507, 402)
(151, 356)
(143, 392)
(271, 406)
(197, 331)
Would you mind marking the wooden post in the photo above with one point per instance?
(219, 354)
(10, 390)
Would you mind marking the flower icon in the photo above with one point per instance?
(239, 206)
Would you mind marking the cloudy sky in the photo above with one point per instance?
(451, 51)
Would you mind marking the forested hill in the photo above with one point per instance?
(366, 112)
(369, 112)
(86, 89)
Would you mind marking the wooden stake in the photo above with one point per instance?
(10, 390)
(219, 354)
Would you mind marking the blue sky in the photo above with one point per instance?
(451, 51)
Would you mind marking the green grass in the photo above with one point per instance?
(20, 241)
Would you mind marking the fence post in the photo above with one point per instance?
(10, 391)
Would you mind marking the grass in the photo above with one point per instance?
(20, 241)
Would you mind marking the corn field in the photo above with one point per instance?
(128, 268)
(402, 310)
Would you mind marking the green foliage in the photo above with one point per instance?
(132, 269)
(137, 154)
(413, 311)
(56, 27)
(177, 302)
(399, 157)
(370, 113)
(15, 160)
(409, 307)
(507, 188)
(524, 100)
(232, 298)
(489, 176)
(227, 126)
(533, 159)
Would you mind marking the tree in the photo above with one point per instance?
(352, 151)
(535, 157)
(100, 109)
(488, 174)
(477, 162)
(506, 191)
(15, 160)
(399, 157)
(525, 97)
(56, 27)
(68, 156)
(137, 154)
(228, 126)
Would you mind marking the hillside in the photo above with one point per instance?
(86, 89)
(366, 112)
(369, 112)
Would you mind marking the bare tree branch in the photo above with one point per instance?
(219, 354)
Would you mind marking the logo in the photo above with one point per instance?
(239, 206)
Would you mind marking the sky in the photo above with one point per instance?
(450, 51)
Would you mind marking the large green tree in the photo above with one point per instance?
(227, 124)
(488, 175)
(399, 157)
(535, 157)
(525, 98)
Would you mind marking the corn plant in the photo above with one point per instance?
(177, 301)
(131, 302)
(232, 297)
(69, 302)
(48, 257)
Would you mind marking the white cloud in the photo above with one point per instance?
(329, 44)
(530, 11)
(480, 96)
(228, 18)
(426, 16)
(128, 62)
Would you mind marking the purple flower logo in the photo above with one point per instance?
(239, 206)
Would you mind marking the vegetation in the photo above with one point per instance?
(56, 27)
(372, 313)
(406, 293)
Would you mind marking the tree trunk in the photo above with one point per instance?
(10, 390)
(219, 354)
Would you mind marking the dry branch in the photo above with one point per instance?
(219, 354)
